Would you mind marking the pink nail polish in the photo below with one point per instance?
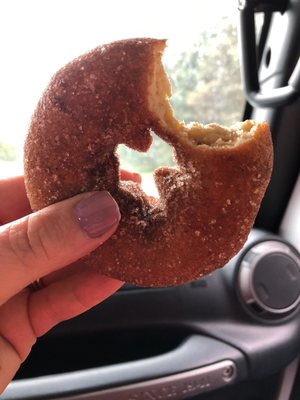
(97, 214)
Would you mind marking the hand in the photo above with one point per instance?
(43, 245)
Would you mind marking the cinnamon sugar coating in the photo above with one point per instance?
(206, 206)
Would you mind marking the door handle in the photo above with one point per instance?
(199, 364)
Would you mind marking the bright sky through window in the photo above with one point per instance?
(40, 36)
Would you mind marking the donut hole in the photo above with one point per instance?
(196, 134)
(193, 134)
(160, 154)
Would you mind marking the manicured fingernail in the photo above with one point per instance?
(97, 214)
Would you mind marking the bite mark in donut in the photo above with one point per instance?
(116, 94)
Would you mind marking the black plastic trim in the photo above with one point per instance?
(256, 96)
(196, 351)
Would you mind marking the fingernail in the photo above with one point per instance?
(97, 214)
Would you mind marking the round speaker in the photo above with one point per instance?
(268, 279)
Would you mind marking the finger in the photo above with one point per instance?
(15, 204)
(13, 199)
(68, 298)
(56, 236)
(16, 336)
(35, 313)
(14, 313)
(130, 176)
(10, 359)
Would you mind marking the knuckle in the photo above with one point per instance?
(25, 243)
(34, 240)
(37, 234)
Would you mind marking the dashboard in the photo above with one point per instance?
(237, 325)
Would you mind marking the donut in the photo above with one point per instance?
(207, 204)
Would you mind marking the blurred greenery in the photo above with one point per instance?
(7, 152)
(206, 81)
(206, 88)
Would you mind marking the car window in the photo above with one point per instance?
(201, 61)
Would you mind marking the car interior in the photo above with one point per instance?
(234, 334)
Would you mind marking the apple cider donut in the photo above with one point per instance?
(118, 93)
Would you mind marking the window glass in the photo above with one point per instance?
(38, 37)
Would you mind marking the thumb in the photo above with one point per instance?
(54, 237)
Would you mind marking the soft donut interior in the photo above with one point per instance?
(196, 134)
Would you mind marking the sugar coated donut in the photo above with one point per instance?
(118, 93)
